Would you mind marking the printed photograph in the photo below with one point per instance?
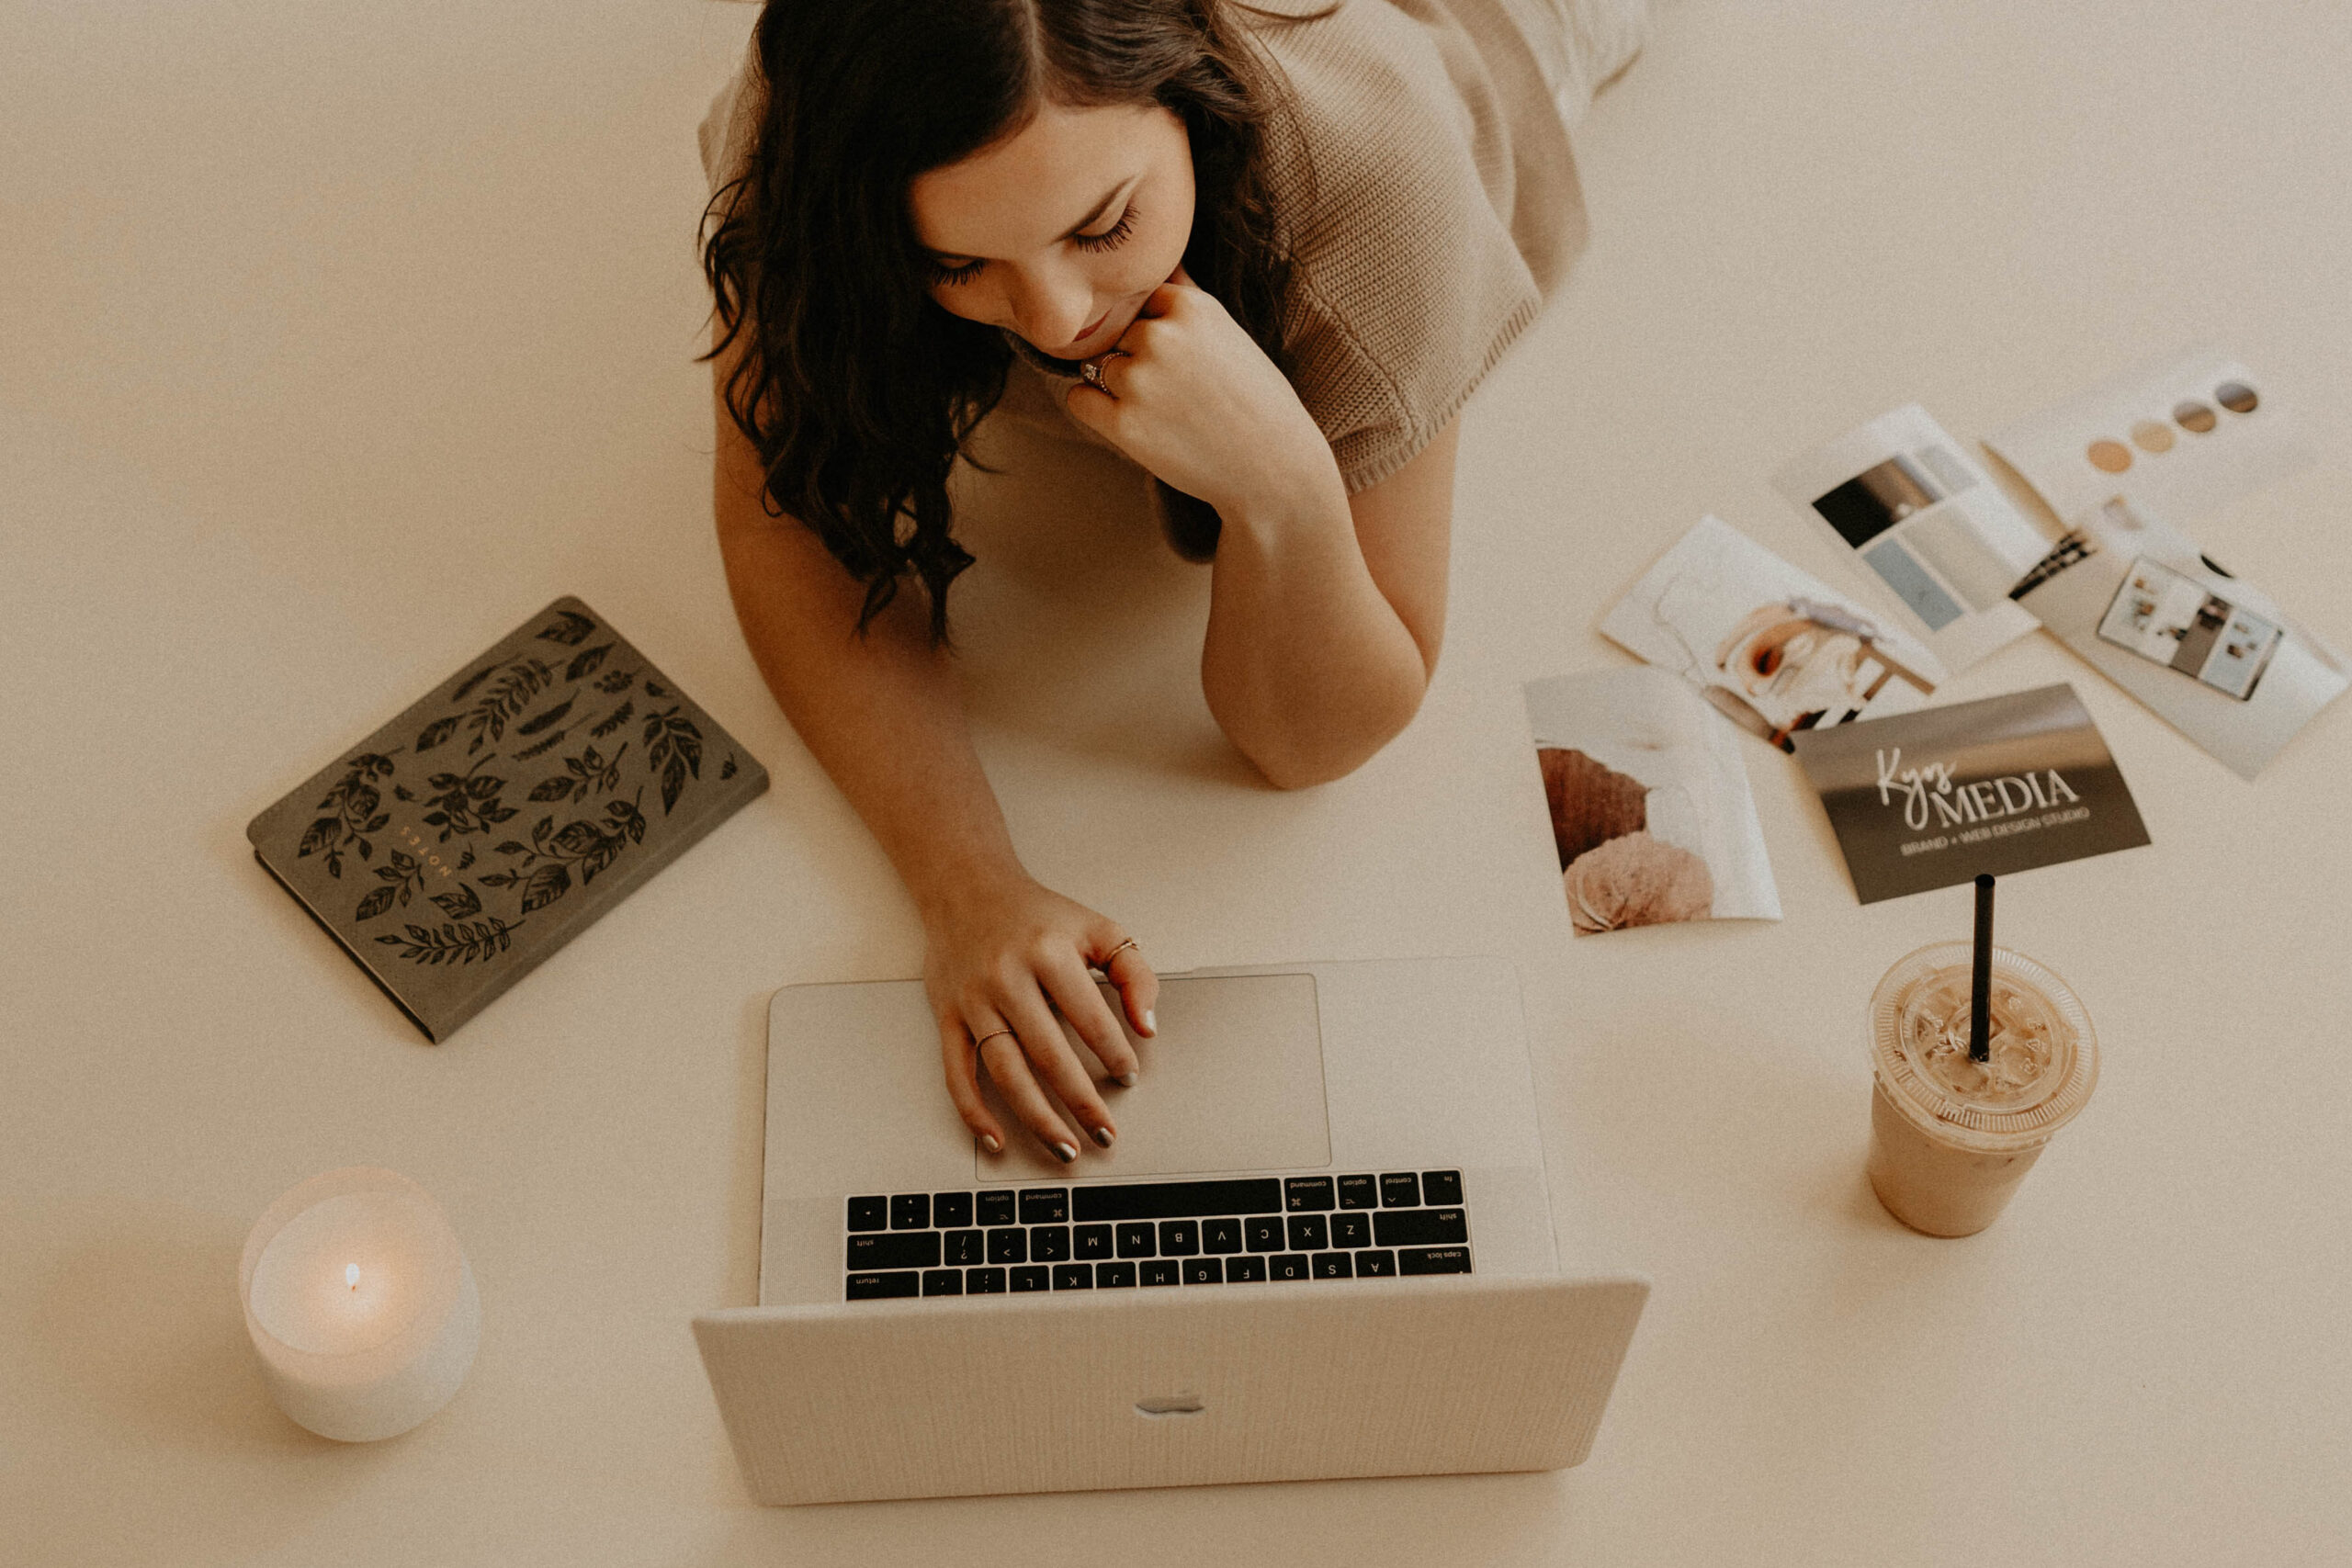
(1768, 646)
(1651, 814)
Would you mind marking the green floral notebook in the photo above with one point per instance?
(491, 823)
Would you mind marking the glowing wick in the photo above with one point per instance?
(351, 1275)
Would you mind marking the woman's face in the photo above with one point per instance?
(1061, 230)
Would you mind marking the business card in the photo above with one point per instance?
(1928, 799)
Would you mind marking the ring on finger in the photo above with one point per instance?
(990, 1035)
(1114, 953)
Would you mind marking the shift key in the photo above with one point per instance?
(893, 1249)
(1419, 1227)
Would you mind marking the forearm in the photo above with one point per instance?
(880, 714)
(1307, 667)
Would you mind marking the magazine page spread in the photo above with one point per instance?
(2215, 657)
(1651, 814)
(1768, 646)
(1925, 525)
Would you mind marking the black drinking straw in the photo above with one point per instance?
(1980, 999)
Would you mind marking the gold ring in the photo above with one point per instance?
(988, 1036)
(1117, 951)
(1091, 372)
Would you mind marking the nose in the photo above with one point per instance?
(1050, 309)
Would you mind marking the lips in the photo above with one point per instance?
(1083, 337)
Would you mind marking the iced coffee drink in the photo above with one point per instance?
(1952, 1136)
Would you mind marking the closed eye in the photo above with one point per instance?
(946, 276)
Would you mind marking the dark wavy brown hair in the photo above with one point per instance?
(855, 387)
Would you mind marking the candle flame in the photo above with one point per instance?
(351, 1275)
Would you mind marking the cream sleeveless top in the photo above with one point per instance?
(1442, 206)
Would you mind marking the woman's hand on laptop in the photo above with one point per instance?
(1001, 962)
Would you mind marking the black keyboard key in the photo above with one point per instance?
(1433, 1260)
(1420, 1227)
(1050, 1244)
(951, 1210)
(963, 1247)
(1359, 1193)
(1265, 1232)
(984, 1282)
(1179, 1200)
(894, 1249)
(1247, 1266)
(1205, 1270)
(1287, 1266)
(1335, 1265)
(1352, 1230)
(1010, 1244)
(1091, 1242)
(1376, 1264)
(1035, 1276)
(942, 1282)
(1138, 1238)
(995, 1209)
(1180, 1238)
(1221, 1236)
(1073, 1276)
(869, 1213)
(1400, 1190)
(1111, 1276)
(1442, 1189)
(1307, 1233)
(874, 1287)
(1301, 1192)
(911, 1212)
(1045, 1205)
(1157, 1271)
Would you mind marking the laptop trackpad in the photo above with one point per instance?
(1232, 1082)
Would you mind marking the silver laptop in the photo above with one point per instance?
(1322, 1245)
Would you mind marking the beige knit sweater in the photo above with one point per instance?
(1441, 208)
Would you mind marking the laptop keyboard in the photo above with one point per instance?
(1218, 1232)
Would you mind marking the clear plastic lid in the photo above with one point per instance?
(2041, 1068)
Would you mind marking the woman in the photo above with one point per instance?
(1265, 253)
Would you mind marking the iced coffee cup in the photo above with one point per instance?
(1952, 1136)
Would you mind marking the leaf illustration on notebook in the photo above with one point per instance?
(571, 628)
(454, 943)
(537, 722)
(586, 663)
(353, 801)
(469, 801)
(402, 878)
(545, 867)
(672, 745)
(505, 701)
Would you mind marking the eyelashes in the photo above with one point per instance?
(1111, 239)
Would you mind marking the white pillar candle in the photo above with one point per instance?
(361, 1304)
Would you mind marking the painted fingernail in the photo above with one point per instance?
(1126, 1080)
(1150, 1024)
(1103, 1135)
(1065, 1153)
(988, 1141)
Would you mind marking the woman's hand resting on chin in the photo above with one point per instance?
(1191, 396)
(1002, 961)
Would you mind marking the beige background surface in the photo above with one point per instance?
(335, 339)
